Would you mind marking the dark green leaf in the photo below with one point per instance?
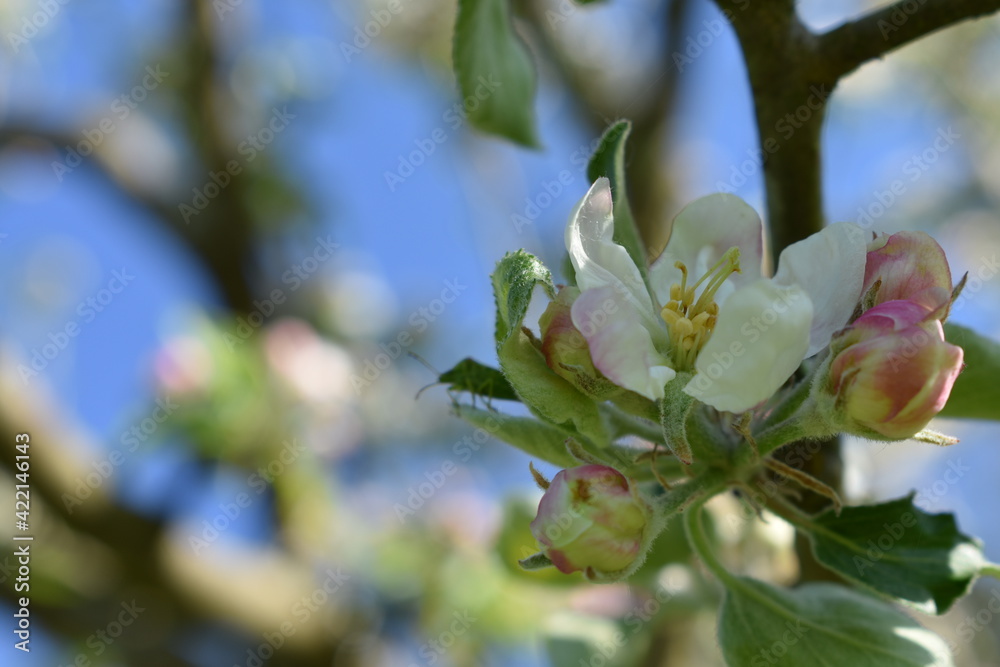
(609, 161)
(825, 625)
(495, 74)
(899, 550)
(975, 394)
(478, 379)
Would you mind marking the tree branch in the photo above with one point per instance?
(852, 44)
(789, 90)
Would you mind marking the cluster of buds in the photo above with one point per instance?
(591, 519)
(891, 371)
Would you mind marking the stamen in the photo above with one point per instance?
(690, 321)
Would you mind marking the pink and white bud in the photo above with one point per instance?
(565, 348)
(912, 267)
(892, 370)
(591, 519)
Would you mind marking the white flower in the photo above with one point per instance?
(709, 308)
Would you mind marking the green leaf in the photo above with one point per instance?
(821, 624)
(549, 396)
(478, 379)
(974, 395)
(609, 161)
(899, 550)
(494, 70)
(514, 280)
(537, 439)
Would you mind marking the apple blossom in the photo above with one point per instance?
(709, 309)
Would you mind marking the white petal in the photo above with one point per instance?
(620, 346)
(830, 267)
(597, 259)
(702, 232)
(759, 340)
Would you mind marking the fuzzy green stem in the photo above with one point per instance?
(698, 540)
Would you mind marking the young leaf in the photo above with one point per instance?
(974, 394)
(494, 71)
(478, 379)
(821, 624)
(537, 439)
(514, 280)
(898, 550)
(609, 161)
(549, 396)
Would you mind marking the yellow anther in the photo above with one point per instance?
(683, 328)
(691, 317)
(670, 314)
(699, 320)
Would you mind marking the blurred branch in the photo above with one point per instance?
(650, 111)
(850, 45)
(137, 542)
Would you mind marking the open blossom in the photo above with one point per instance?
(709, 308)
(892, 371)
(590, 519)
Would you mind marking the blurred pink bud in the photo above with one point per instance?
(892, 371)
(591, 519)
(184, 366)
(911, 266)
(565, 348)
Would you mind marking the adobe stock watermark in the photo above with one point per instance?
(102, 638)
(695, 45)
(753, 329)
(974, 623)
(369, 31)
(929, 496)
(294, 276)
(901, 13)
(913, 168)
(419, 321)
(87, 311)
(31, 25)
(105, 467)
(554, 187)
(878, 547)
(301, 611)
(434, 480)
(775, 653)
(785, 127)
(257, 483)
(120, 109)
(433, 650)
(454, 118)
(248, 150)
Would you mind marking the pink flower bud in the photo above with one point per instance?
(591, 519)
(911, 266)
(892, 370)
(566, 351)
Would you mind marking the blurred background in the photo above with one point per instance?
(225, 224)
